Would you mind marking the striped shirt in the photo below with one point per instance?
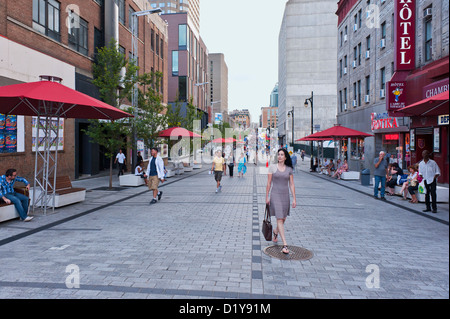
(8, 188)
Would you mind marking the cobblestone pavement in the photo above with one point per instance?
(195, 243)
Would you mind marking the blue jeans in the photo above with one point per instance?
(379, 179)
(20, 202)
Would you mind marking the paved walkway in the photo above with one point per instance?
(195, 243)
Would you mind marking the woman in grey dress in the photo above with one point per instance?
(280, 179)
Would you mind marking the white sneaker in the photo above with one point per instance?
(28, 218)
(217, 190)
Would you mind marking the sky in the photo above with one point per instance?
(246, 32)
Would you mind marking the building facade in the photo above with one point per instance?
(269, 117)
(307, 63)
(176, 6)
(60, 38)
(188, 65)
(370, 70)
(240, 119)
(218, 84)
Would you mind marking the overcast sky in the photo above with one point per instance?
(246, 32)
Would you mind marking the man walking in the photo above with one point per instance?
(10, 196)
(294, 161)
(120, 157)
(218, 166)
(155, 173)
(380, 173)
(430, 171)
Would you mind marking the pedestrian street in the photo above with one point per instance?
(196, 243)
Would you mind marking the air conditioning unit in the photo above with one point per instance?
(367, 54)
(345, 106)
(367, 99)
(355, 63)
(355, 27)
(368, 13)
(355, 103)
(383, 43)
(427, 13)
(345, 70)
(382, 94)
(345, 38)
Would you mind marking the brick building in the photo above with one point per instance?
(368, 61)
(59, 38)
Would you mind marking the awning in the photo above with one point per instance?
(435, 105)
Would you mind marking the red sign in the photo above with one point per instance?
(382, 121)
(396, 97)
(435, 88)
(404, 20)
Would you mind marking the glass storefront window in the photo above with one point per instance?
(357, 148)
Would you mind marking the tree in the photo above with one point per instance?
(109, 77)
(150, 118)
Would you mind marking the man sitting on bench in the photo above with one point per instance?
(10, 196)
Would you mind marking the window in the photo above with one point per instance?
(359, 53)
(121, 5)
(152, 40)
(428, 38)
(132, 18)
(383, 30)
(382, 78)
(78, 37)
(182, 37)
(359, 92)
(368, 43)
(175, 63)
(157, 44)
(368, 85)
(340, 68)
(46, 18)
(340, 102)
(182, 88)
(355, 96)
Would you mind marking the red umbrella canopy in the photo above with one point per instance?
(338, 132)
(47, 98)
(176, 132)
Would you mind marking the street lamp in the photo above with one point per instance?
(291, 114)
(311, 99)
(134, 53)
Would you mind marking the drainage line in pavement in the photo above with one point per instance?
(387, 202)
(67, 219)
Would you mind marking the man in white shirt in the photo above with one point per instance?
(155, 173)
(430, 171)
(120, 157)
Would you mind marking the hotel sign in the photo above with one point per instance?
(404, 20)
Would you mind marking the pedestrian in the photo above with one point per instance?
(242, 167)
(139, 158)
(218, 166)
(294, 161)
(230, 163)
(120, 157)
(302, 154)
(380, 174)
(155, 173)
(139, 171)
(280, 180)
(9, 195)
(430, 171)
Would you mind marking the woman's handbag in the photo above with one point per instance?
(267, 225)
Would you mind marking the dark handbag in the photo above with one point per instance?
(267, 225)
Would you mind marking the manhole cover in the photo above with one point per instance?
(295, 253)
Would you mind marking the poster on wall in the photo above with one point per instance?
(412, 140)
(436, 140)
(56, 143)
(8, 133)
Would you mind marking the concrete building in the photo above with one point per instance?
(307, 63)
(367, 64)
(37, 38)
(218, 84)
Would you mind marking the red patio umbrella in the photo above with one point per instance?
(176, 132)
(338, 132)
(50, 99)
(435, 105)
(47, 98)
